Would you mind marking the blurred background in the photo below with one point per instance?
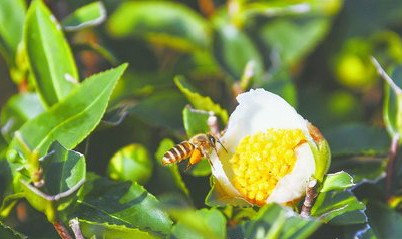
(315, 54)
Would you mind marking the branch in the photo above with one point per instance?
(75, 226)
(392, 157)
(311, 194)
(62, 230)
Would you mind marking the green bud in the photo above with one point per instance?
(131, 162)
(321, 152)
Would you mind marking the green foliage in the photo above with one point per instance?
(125, 204)
(63, 174)
(83, 133)
(78, 114)
(19, 109)
(165, 23)
(7, 232)
(89, 15)
(12, 14)
(105, 230)
(274, 221)
(131, 162)
(199, 101)
(393, 103)
(49, 55)
(227, 38)
(384, 221)
(204, 223)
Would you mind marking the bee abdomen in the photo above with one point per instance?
(178, 153)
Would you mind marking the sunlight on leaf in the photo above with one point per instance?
(199, 101)
(78, 113)
(50, 58)
(89, 15)
(125, 204)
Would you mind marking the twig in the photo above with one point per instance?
(392, 158)
(385, 76)
(311, 194)
(62, 230)
(75, 226)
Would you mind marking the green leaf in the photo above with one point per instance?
(204, 223)
(385, 222)
(6, 178)
(274, 221)
(162, 109)
(89, 15)
(132, 162)
(63, 174)
(19, 109)
(362, 169)
(168, 178)
(8, 203)
(290, 39)
(110, 231)
(125, 204)
(199, 101)
(163, 23)
(357, 139)
(140, 84)
(12, 14)
(337, 181)
(234, 50)
(393, 103)
(321, 152)
(71, 120)
(9, 233)
(196, 122)
(285, 8)
(330, 205)
(50, 58)
(62, 169)
(165, 110)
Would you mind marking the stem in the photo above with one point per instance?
(392, 156)
(62, 230)
(75, 226)
(311, 194)
(385, 76)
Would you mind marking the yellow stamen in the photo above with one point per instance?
(262, 159)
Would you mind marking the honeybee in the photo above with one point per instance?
(196, 148)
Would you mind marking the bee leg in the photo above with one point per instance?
(189, 166)
(195, 158)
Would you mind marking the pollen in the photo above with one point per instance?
(262, 159)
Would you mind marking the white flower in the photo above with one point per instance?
(270, 151)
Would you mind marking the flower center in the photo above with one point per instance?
(262, 159)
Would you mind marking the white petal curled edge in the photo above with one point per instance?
(293, 185)
(259, 110)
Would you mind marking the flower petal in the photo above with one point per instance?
(293, 185)
(259, 110)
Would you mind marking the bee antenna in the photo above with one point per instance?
(222, 145)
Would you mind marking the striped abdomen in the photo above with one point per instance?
(178, 153)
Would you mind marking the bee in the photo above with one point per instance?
(196, 148)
